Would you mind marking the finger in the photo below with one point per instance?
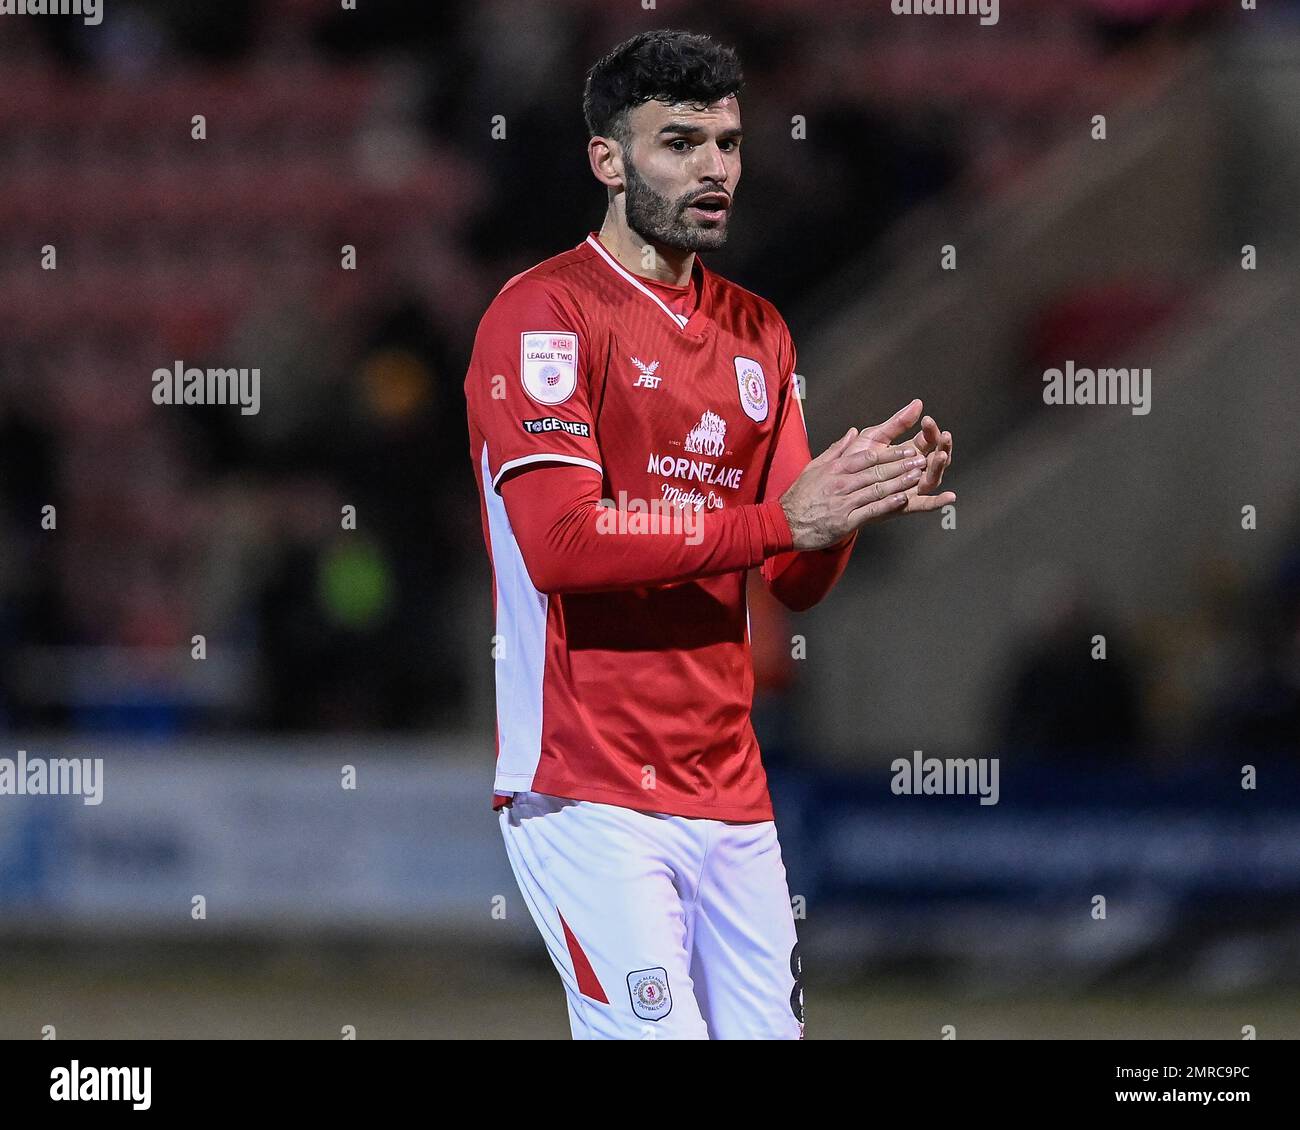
(897, 424)
(878, 511)
(857, 458)
(933, 435)
(935, 465)
(888, 478)
(838, 448)
(947, 446)
(924, 503)
(930, 437)
(914, 503)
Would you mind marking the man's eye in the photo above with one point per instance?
(684, 145)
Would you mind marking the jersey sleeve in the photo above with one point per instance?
(528, 386)
(798, 578)
(569, 543)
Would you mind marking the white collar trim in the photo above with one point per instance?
(679, 320)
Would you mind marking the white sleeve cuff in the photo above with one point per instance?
(543, 457)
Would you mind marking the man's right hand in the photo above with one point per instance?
(842, 490)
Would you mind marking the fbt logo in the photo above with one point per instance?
(647, 379)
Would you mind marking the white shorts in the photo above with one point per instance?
(662, 927)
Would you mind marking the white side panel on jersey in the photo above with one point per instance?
(521, 651)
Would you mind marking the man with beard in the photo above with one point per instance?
(623, 373)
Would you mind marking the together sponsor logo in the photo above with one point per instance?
(555, 424)
(76, 1083)
(90, 11)
(56, 776)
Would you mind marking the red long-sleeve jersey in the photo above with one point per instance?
(630, 445)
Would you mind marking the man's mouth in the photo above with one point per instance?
(710, 206)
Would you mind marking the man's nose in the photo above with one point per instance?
(714, 166)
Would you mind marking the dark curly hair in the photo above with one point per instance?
(667, 66)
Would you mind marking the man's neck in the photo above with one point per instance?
(666, 265)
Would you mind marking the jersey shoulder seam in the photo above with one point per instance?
(545, 271)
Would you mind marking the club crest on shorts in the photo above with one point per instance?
(651, 997)
(753, 388)
(548, 366)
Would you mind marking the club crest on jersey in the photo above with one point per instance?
(753, 388)
(548, 365)
(651, 998)
(647, 379)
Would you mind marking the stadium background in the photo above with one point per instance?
(383, 907)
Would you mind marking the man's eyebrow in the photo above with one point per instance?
(681, 128)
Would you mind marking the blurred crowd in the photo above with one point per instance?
(1221, 676)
